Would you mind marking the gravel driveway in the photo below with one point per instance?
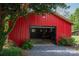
(51, 50)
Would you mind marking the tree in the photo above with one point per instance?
(75, 19)
(10, 12)
(46, 7)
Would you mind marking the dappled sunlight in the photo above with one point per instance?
(76, 39)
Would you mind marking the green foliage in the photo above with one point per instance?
(10, 8)
(65, 41)
(10, 12)
(46, 7)
(74, 17)
(12, 51)
(27, 45)
(2, 38)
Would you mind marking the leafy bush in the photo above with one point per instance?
(12, 51)
(65, 41)
(72, 41)
(27, 45)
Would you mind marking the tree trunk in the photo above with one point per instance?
(2, 33)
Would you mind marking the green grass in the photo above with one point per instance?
(12, 51)
(76, 39)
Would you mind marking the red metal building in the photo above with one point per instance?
(58, 25)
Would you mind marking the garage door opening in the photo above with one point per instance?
(43, 33)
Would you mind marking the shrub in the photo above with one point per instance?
(12, 51)
(27, 44)
(65, 41)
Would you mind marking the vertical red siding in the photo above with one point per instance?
(21, 30)
(19, 33)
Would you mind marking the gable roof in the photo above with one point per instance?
(60, 16)
(63, 18)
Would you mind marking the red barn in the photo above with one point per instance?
(49, 25)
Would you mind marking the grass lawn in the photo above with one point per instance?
(76, 39)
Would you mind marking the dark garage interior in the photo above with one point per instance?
(43, 33)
